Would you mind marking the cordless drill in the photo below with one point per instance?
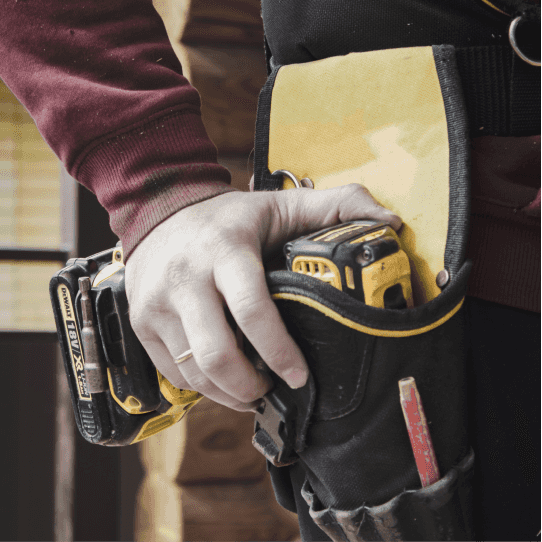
(118, 396)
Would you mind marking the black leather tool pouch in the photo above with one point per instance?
(441, 511)
(395, 122)
(356, 451)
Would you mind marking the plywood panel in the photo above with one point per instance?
(230, 11)
(212, 22)
(158, 505)
(209, 31)
(220, 46)
(243, 511)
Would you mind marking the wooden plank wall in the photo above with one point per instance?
(203, 478)
(220, 45)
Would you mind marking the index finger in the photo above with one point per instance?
(214, 344)
(241, 280)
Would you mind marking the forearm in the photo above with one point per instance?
(107, 93)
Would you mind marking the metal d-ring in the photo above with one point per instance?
(513, 43)
(303, 183)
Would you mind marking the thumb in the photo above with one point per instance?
(304, 210)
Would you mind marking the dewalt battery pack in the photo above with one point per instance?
(118, 396)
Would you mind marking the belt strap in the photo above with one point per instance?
(502, 92)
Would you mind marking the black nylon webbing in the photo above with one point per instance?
(502, 92)
(524, 98)
(458, 140)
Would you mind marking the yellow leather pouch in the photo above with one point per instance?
(392, 120)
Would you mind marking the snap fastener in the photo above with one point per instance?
(443, 278)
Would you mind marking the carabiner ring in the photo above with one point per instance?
(303, 183)
(513, 43)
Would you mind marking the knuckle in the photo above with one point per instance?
(142, 314)
(214, 361)
(355, 190)
(282, 206)
(138, 322)
(178, 272)
(246, 308)
(371, 205)
(200, 383)
(228, 245)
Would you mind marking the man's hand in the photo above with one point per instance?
(210, 254)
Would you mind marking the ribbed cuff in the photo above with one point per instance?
(151, 170)
(506, 257)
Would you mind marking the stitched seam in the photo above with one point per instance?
(358, 395)
(340, 524)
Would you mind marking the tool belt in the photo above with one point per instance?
(394, 121)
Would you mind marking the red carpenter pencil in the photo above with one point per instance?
(418, 431)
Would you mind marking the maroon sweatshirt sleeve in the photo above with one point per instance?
(107, 93)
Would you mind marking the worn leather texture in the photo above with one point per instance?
(442, 511)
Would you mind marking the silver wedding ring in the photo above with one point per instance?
(185, 356)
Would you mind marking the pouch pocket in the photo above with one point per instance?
(357, 448)
(344, 337)
(442, 511)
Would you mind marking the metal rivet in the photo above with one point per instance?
(443, 278)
